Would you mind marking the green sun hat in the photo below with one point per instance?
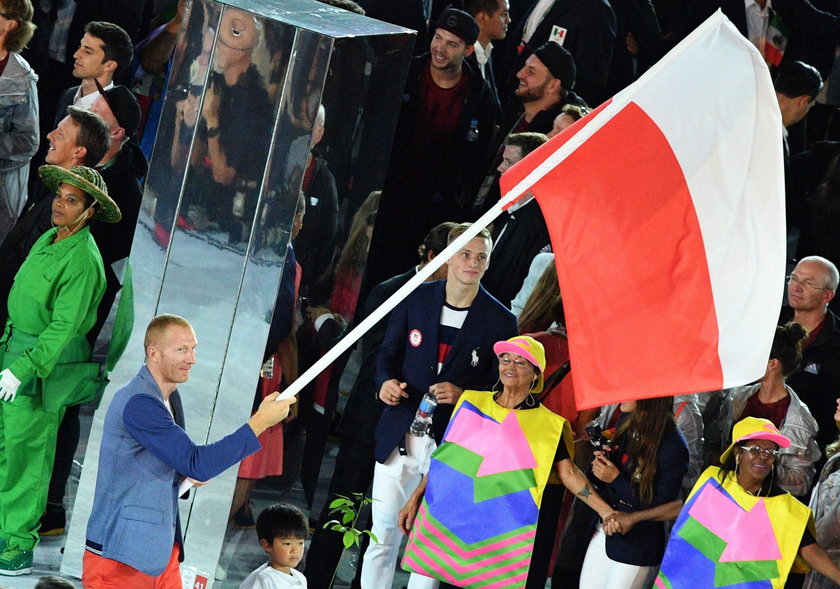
(88, 180)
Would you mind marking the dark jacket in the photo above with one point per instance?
(464, 151)
(315, 244)
(122, 178)
(409, 353)
(523, 236)
(637, 17)
(123, 181)
(644, 545)
(817, 381)
(590, 36)
(363, 408)
(490, 78)
(32, 224)
(63, 102)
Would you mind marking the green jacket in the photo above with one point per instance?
(54, 298)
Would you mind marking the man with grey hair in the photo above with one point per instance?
(811, 286)
(316, 242)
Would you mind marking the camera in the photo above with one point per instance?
(596, 436)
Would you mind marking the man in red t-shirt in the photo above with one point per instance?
(446, 122)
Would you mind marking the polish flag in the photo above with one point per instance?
(666, 213)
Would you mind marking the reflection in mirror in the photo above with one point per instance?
(223, 132)
(233, 131)
(173, 143)
(354, 148)
(336, 147)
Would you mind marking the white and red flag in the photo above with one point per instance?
(666, 213)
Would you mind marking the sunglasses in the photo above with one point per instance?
(756, 450)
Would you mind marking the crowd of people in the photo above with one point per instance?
(460, 419)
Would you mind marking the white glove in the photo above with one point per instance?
(8, 386)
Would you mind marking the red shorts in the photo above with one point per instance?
(99, 572)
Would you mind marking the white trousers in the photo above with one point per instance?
(393, 483)
(601, 571)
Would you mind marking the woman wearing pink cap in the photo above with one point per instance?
(486, 479)
(738, 526)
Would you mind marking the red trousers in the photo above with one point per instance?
(99, 572)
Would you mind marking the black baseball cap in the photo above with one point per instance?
(458, 23)
(124, 105)
(559, 62)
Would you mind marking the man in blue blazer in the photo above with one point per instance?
(134, 532)
(439, 340)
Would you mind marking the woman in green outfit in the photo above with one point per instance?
(45, 354)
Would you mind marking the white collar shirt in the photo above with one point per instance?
(87, 100)
(482, 55)
(757, 21)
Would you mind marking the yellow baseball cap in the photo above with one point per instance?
(755, 428)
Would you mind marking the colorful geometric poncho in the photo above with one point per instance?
(725, 537)
(476, 525)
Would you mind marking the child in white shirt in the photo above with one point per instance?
(282, 530)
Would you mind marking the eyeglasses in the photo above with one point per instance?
(756, 450)
(505, 360)
(806, 283)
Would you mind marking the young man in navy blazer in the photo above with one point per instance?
(440, 340)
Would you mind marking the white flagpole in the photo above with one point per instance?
(552, 161)
(362, 328)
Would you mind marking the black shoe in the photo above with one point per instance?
(53, 521)
(243, 519)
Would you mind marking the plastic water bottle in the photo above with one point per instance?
(423, 417)
(472, 133)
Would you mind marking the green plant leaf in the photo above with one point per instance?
(349, 538)
(348, 517)
(342, 501)
(372, 536)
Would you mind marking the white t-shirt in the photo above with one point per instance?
(266, 577)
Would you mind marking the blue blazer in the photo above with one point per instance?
(644, 545)
(142, 457)
(409, 353)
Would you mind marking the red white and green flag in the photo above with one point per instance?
(666, 213)
(776, 40)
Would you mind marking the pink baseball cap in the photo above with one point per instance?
(755, 428)
(528, 348)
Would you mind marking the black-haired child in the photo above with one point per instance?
(282, 530)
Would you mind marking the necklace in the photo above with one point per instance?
(529, 401)
(758, 494)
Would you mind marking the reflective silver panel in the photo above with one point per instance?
(218, 225)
